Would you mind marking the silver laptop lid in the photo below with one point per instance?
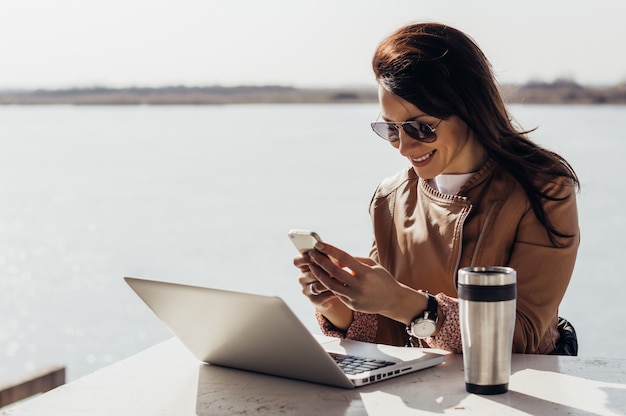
(240, 330)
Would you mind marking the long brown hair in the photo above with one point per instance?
(443, 72)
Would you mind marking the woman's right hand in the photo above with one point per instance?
(312, 288)
(324, 300)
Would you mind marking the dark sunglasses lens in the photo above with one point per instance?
(386, 131)
(420, 131)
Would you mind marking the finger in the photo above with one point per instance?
(318, 297)
(306, 278)
(301, 261)
(331, 283)
(316, 288)
(366, 260)
(326, 266)
(345, 259)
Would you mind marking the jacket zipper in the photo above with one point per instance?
(481, 236)
(460, 244)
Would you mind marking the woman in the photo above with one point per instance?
(478, 193)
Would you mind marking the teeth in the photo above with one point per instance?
(423, 158)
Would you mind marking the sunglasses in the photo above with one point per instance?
(417, 130)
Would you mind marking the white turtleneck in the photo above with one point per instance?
(450, 184)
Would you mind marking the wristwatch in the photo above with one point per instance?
(424, 325)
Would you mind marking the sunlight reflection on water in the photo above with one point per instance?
(205, 195)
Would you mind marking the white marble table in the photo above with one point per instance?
(167, 380)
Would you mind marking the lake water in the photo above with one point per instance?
(205, 195)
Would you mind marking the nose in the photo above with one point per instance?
(406, 143)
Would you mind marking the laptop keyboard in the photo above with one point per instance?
(351, 364)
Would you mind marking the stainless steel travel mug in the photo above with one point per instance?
(487, 317)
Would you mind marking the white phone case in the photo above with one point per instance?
(304, 240)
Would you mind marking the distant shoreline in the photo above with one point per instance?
(559, 92)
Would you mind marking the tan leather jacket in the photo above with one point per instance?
(423, 237)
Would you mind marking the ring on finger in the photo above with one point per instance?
(313, 290)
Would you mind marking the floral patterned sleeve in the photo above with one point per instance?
(449, 336)
(363, 327)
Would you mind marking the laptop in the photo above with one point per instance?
(261, 333)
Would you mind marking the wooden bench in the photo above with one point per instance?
(39, 381)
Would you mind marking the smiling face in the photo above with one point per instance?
(455, 151)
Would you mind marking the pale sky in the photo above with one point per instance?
(314, 43)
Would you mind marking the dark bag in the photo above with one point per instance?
(568, 342)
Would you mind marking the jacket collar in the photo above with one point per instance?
(479, 177)
(483, 173)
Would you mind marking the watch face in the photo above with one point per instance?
(423, 328)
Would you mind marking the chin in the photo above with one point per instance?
(424, 174)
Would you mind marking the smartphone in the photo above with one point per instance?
(304, 240)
